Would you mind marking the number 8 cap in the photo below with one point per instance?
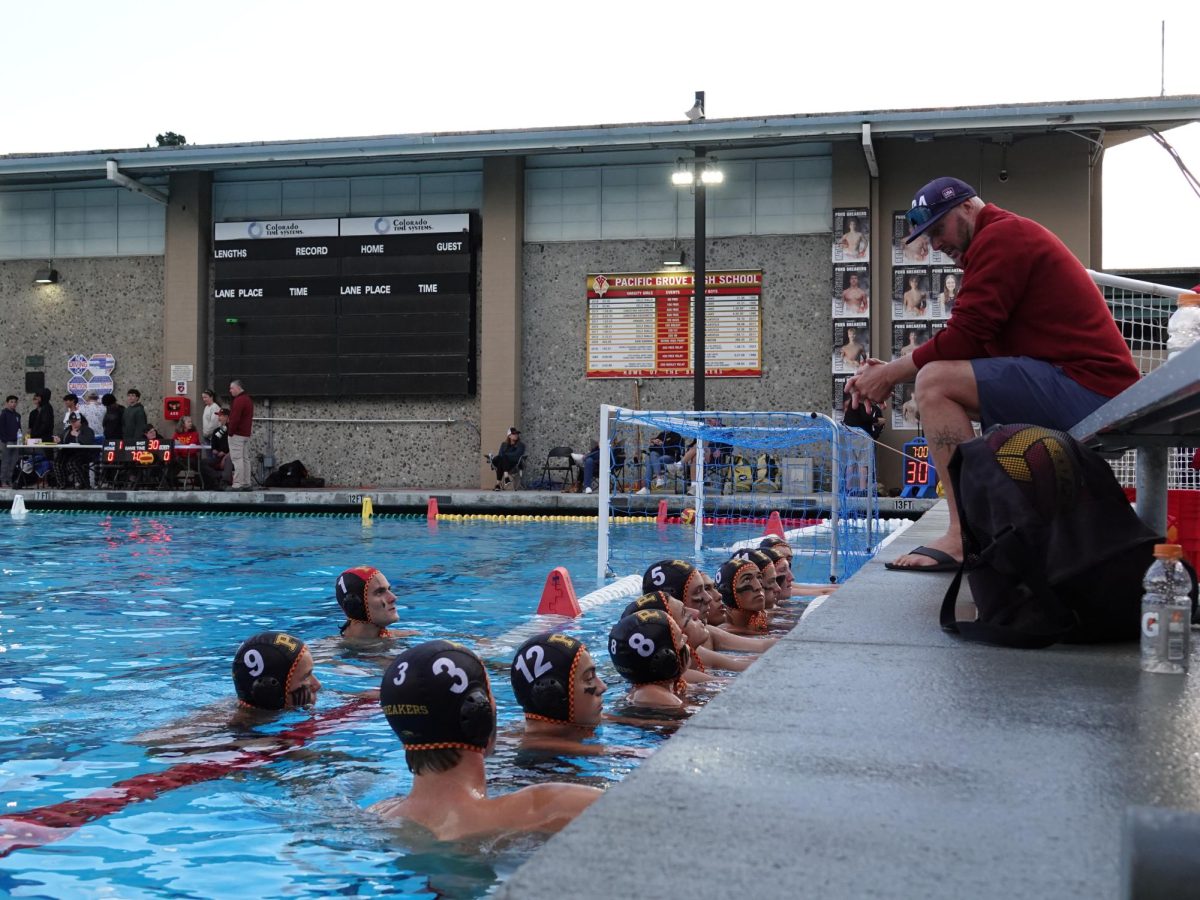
(436, 696)
(263, 666)
(543, 677)
(644, 648)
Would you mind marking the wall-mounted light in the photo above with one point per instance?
(676, 262)
(696, 113)
(46, 275)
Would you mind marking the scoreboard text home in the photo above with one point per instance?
(381, 305)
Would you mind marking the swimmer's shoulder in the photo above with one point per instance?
(540, 807)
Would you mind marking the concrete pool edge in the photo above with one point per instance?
(869, 754)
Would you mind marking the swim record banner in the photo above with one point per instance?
(639, 325)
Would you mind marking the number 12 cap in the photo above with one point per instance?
(436, 696)
(543, 676)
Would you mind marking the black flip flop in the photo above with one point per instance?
(943, 562)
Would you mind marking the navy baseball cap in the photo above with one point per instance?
(932, 202)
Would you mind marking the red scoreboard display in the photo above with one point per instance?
(920, 476)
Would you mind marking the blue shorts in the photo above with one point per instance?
(1017, 389)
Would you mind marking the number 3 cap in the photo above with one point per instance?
(262, 667)
(436, 696)
(543, 676)
(644, 649)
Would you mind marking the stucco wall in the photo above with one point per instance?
(561, 406)
(109, 305)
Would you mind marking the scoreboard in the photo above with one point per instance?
(371, 306)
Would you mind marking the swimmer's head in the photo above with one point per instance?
(436, 697)
(554, 679)
(273, 670)
(688, 619)
(364, 595)
(740, 584)
(678, 578)
(714, 611)
(648, 646)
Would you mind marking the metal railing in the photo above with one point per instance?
(1141, 310)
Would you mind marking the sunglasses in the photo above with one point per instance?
(918, 216)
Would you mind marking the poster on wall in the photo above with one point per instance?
(851, 234)
(944, 284)
(908, 336)
(904, 408)
(90, 372)
(910, 293)
(639, 325)
(851, 344)
(839, 396)
(851, 289)
(918, 253)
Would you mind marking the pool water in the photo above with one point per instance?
(114, 625)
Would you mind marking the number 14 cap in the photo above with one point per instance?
(436, 696)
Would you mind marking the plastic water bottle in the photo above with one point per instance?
(1183, 328)
(1166, 613)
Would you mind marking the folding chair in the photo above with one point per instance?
(559, 461)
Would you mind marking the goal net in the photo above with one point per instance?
(722, 474)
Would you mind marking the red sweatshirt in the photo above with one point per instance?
(241, 415)
(1024, 294)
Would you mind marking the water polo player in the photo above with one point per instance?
(767, 574)
(437, 698)
(366, 598)
(680, 579)
(273, 671)
(554, 680)
(793, 588)
(689, 623)
(650, 652)
(740, 584)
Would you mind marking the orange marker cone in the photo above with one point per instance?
(662, 512)
(558, 596)
(774, 524)
(431, 511)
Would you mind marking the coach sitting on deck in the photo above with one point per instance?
(1031, 339)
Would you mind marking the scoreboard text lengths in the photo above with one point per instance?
(341, 307)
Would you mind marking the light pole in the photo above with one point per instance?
(698, 323)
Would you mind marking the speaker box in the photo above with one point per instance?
(34, 382)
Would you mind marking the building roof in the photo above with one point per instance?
(1101, 116)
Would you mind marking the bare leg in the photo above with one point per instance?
(948, 398)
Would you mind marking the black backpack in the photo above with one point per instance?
(291, 474)
(1053, 551)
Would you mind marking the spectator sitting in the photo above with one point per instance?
(590, 463)
(666, 446)
(216, 467)
(186, 444)
(508, 458)
(70, 466)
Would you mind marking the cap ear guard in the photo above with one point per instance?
(477, 718)
(548, 697)
(267, 692)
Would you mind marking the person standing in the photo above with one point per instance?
(93, 412)
(71, 402)
(241, 421)
(113, 425)
(41, 417)
(10, 433)
(133, 422)
(208, 421)
(1031, 339)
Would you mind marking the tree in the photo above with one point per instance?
(170, 139)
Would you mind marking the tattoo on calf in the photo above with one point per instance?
(947, 440)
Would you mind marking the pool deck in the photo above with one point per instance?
(869, 754)
(386, 500)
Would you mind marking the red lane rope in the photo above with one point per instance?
(46, 824)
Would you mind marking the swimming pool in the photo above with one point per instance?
(113, 625)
